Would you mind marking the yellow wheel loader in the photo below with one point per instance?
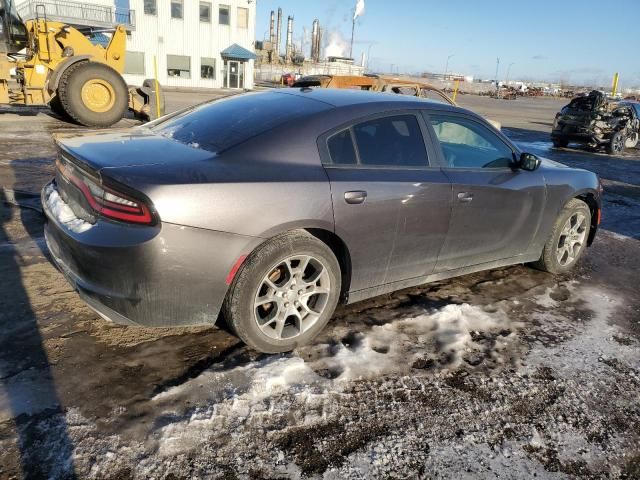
(57, 65)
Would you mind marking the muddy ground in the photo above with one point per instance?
(510, 373)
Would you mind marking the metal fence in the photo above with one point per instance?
(76, 13)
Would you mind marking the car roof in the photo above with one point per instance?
(337, 97)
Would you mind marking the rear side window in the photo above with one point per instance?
(341, 148)
(227, 122)
(391, 141)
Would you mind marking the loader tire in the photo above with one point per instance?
(93, 94)
(56, 107)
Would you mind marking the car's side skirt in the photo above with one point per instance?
(412, 282)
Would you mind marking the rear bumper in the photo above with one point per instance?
(159, 276)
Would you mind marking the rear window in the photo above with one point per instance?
(341, 149)
(391, 141)
(224, 123)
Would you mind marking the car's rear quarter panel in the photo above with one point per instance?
(164, 276)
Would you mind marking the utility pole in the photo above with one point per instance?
(353, 28)
(497, 86)
(508, 70)
(446, 67)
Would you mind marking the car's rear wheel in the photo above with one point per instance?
(568, 238)
(284, 294)
(559, 142)
(617, 144)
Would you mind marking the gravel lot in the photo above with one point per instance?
(509, 373)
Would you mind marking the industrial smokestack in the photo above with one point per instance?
(279, 33)
(272, 28)
(288, 51)
(319, 45)
(314, 41)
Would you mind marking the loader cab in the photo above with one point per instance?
(13, 33)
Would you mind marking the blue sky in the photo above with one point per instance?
(582, 42)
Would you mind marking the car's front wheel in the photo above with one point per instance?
(617, 144)
(284, 294)
(568, 238)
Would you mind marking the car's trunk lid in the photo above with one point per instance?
(125, 148)
(94, 156)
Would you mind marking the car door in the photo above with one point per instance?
(496, 208)
(391, 206)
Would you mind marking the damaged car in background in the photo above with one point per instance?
(597, 121)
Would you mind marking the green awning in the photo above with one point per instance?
(236, 52)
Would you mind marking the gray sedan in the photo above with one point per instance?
(270, 208)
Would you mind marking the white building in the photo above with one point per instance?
(193, 43)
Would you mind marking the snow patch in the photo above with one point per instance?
(258, 388)
(63, 212)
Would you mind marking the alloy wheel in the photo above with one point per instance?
(617, 144)
(292, 297)
(572, 238)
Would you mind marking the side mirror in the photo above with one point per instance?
(529, 162)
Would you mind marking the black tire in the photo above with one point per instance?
(70, 93)
(559, 142)
(238, 307)
(548, 261)
(58, 109)
(617, 143)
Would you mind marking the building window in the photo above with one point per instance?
(134, 63)
(150, 7)
(205, 12)
(223, 15)
(243, 17)
(176, 8)
(208, 68)
(178, 66)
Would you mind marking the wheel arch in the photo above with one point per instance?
(590, 198)
(323, 234)
(56, 75)
(341, 251)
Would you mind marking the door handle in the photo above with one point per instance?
(465, 197)
(355, 197)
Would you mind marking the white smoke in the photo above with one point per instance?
(337, 45)
(359, 10)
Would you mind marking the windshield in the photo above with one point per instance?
(227, 122)
(13, 33)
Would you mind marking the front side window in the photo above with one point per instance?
(205, 12)
(150, 7)
(243, 17)
(394, 141)
(208, 68)
(176, 8)
(468, 144)
(223, 15)
(179, 66)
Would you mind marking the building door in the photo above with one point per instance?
(233, 74)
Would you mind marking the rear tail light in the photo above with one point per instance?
(105, 200)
